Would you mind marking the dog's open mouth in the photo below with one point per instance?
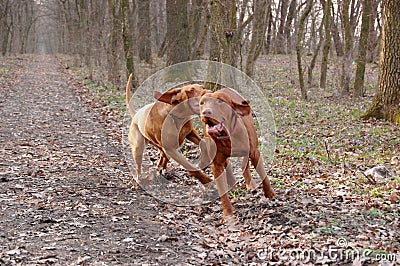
(213, 127)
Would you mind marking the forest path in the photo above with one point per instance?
(61, 196)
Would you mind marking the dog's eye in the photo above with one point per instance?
(202, 103)
(220, 101)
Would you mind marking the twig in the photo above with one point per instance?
(327, 151)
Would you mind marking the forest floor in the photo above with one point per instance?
(67, 196)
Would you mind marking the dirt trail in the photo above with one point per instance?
(61, 196)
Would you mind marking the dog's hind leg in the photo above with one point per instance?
(250, 184)
(137, 141)
(258, 163)
(162, 163)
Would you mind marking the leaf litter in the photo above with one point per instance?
(91, 207)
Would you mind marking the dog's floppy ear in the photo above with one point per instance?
(167, 97)
(190, 93)
(242, 108)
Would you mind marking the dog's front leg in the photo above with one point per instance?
(208, 149)
(222, 187)
(193, 170)
(250, 183)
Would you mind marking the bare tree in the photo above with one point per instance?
(127, 39)
(302, 22)
(337, 41)
(288, 25)
(386, 104)
(6, 25)
(198, 27)
(177, 40)
(315, 54)
(327, 42)
(18, 26)
(112, 52)
(372, 36)
(348, 46)
(280, 37)
(260, 23)
(224, 32)
(227, 30)
(144, 38)
(362, 50)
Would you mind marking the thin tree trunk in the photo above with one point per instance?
(327, 44)
(302, 22)
(163, 47)
(288, 25)
(269, 33)
(362, 50)
(345, 76)
(280, 38)
(335, 33)
(112, 59)
(372, 38)
(144, 38)
(127, 41)
(260, 23)
(315, 55)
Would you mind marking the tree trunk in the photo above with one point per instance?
(144, 28)
(362, 50)
(112, 54)
(163, 47)
(345, 76)
(269, 32)
(372, 38)
(302, 23)
(177, 32)
(335, 33)
(315, 55)
(260, 23)
(127, 41)
(224, 32)
(327, 44)
(386, 104)
(195, 29)
(5, 26)
(288, 26)
(280, 38)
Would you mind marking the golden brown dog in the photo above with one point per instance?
(230, 131)
(165, 124)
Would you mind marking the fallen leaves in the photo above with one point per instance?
(67, 195)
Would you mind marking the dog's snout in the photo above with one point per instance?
(207, 112)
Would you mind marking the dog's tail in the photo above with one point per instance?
(128, 95)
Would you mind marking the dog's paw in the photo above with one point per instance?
(269, 194)
(252, 186)
(231, 221)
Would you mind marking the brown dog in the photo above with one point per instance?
(165, 124)
(230, 129)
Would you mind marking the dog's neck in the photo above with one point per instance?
(181, 114)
